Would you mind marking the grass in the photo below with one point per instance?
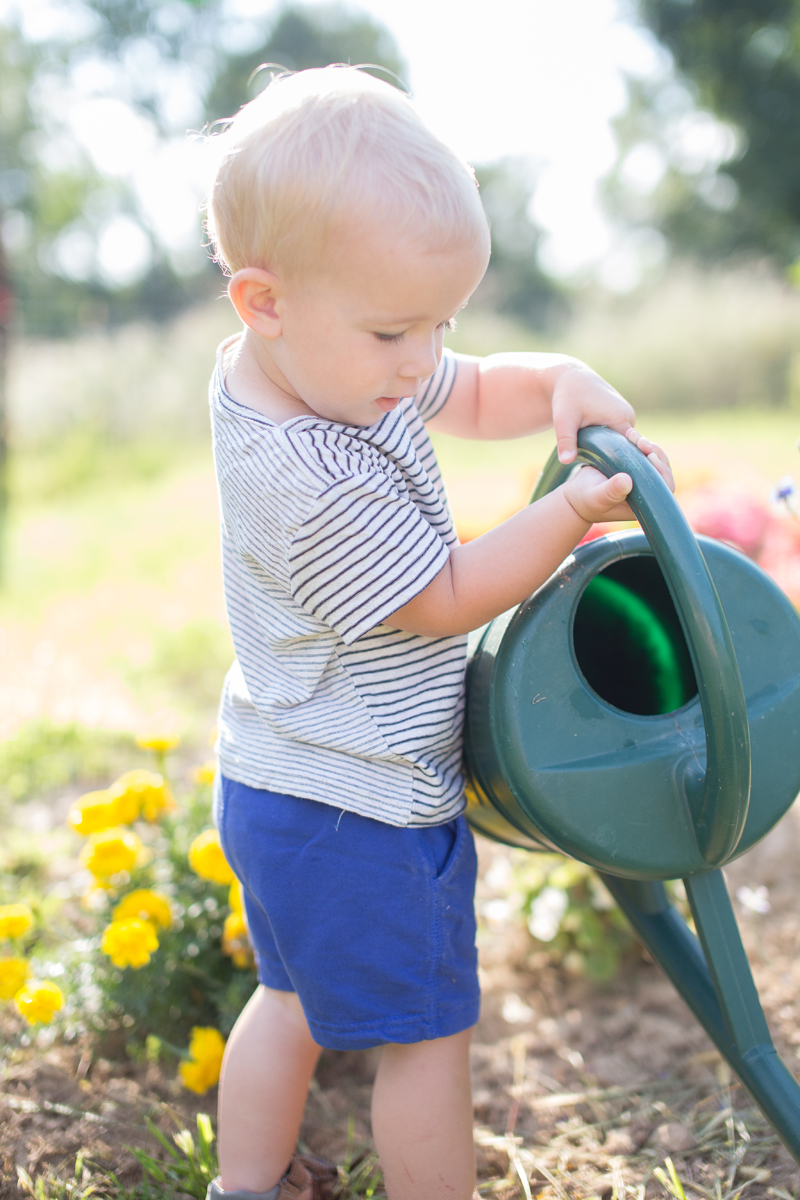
(111, 607)
(731, 1154)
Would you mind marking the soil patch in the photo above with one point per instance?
(583, 1089)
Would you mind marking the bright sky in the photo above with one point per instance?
(535, 78)
(539, 78)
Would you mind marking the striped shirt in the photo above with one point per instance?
(327, 529)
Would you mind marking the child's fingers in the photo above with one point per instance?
(654, 454)
(567, 444)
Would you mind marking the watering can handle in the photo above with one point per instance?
(721, 808)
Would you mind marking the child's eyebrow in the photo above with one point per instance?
(404, 320)
(394, 320)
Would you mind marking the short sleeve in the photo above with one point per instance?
(433, 395)
(363, 551)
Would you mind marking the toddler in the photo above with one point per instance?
(353, 237)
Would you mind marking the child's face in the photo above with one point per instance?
(369, 330)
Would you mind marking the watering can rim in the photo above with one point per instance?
(723, 805)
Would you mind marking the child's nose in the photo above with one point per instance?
(421, 364)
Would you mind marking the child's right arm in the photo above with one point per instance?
(494, 572)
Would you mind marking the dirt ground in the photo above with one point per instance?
(583, 1089)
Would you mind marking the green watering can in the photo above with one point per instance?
(620, 715)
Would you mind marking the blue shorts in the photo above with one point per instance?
(372, 925)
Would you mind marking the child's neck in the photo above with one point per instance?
(253, 379)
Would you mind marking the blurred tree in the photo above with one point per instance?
(303, 38)
(734, 190)
(171, 65)
(515, 284)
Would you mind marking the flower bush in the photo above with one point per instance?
(157, 947)
(162, 952)
(35, 1000)
(571, 915)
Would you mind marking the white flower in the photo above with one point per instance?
(547, 911)
(497, 910)
(756, 899)
(516, 1011)
(499, 874)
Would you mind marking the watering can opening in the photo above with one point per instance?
(628, 641)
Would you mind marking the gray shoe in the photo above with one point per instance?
(308, 1177)
(215, 1192)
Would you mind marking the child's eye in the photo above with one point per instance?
(390, 337)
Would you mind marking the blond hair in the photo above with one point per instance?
(316, 149)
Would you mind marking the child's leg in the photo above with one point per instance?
(269, 1060)
(422, 1119)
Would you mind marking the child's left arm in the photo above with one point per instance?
(511, 395)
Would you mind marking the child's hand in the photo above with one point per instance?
(596, 498)
(581, 397)
(654, 455)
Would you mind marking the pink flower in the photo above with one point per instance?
(729, 517)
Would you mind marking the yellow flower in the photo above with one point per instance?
(207, 860)
(236, 942)
(198, 1077)
(206, 1047)
(141, 793)
(129, 942)
(161, 743)
(13, 973)
(37, 1002)
(236, 897)
(206, 773)
(92, 813)
(15, 919)
(147, 906)
(109, 852)
(206, 1044)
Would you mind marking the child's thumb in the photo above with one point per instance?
(618, 487)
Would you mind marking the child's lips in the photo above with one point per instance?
(387, 403)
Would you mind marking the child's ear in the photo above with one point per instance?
(256, 294)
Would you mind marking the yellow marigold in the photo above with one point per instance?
(111, 851)
(206, 1044)
(15, 919)
(198, 1077)
(206, 1047)
(236, 942)
(207, 860)
(92, 813)
(37, 1002)
(129, 942)
(236, 897)
(206, 773)
(161, 743)
(13, 973)
(147, 906)
(141, 794)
